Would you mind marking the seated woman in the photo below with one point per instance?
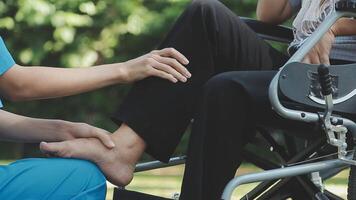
(234, 102)
(64, 178)
(156, 113)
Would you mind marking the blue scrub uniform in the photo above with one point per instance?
(6, 60)
(48, 178)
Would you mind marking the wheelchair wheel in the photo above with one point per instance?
(351, 190)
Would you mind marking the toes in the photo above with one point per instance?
(54, 148)
(45, 147)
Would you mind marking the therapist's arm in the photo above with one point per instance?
(29, 83)
(26, 129)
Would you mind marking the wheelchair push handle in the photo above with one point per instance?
(325, 80)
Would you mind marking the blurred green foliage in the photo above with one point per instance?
(81, 33)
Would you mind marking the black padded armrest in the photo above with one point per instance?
(299, 83)
(270, 32)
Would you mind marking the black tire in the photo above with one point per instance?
(351, 190)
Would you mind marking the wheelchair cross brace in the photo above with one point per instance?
(327, 120)
(280, 173)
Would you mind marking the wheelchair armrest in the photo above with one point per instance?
(270, 32)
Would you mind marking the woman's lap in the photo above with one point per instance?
(255, 85)
(51, 178)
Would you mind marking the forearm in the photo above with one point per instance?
(344, 26)
(48, 82)
(273, 11)
(25, 129)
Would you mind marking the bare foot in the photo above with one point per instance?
(117, 164)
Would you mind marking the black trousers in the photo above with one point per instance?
(233, 103)
(215, 40)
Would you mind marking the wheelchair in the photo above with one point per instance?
(320, 96)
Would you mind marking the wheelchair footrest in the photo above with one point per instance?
(122, 194)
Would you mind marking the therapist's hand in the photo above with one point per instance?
(166, 63)
(321, 51)
(83, 130)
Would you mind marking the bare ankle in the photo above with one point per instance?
(129, 142)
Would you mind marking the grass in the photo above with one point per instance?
(166, 182)
(5, 162)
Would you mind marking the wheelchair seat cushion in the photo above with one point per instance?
(299, 83)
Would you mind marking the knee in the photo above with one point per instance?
(88, 178)
(67, 178)
(204, 7)
(205, 3)
(82, 175)
(83, 168)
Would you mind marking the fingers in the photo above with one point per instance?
(324, 59)
(171, 52)
(170, 66)
(319, 54)
(104, 137)
(174, 64)
(164, 75)
(170, 61)
(312, 57)
(306, 60)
